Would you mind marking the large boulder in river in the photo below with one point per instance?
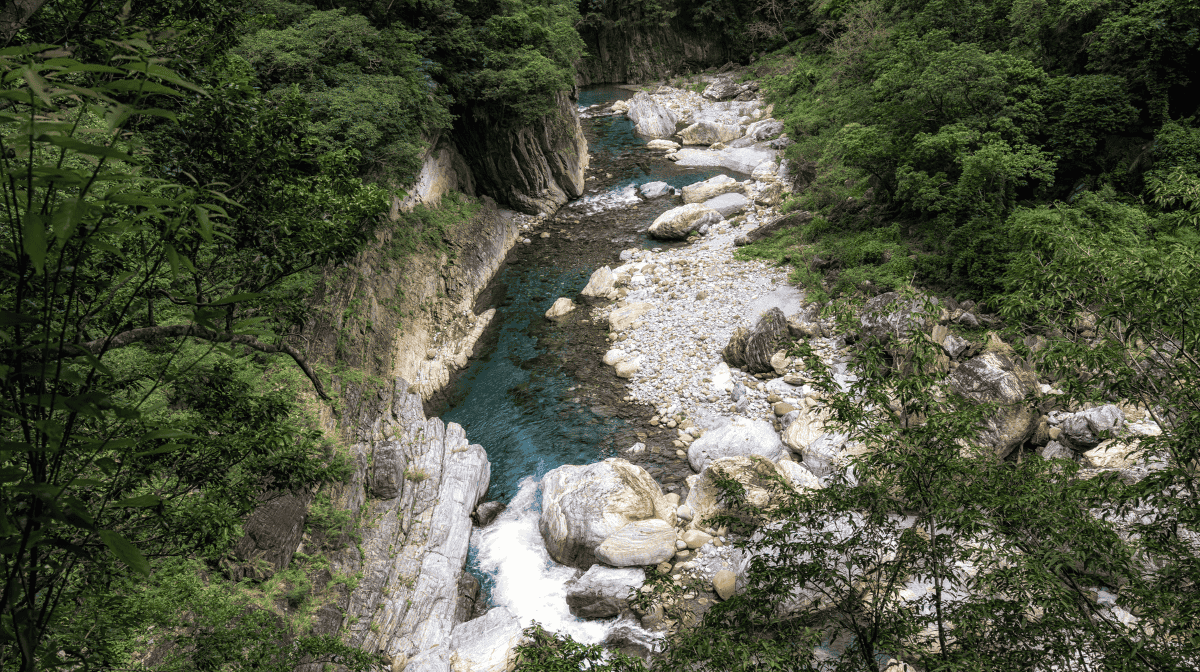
(582, 506)
(649, 117)
(676, 223)
(739, 438)
(999, 377)
(602, 284)
(709, 133)
(752, 349)
(603, 592)
(711, 188)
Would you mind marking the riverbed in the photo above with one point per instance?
(538, 396)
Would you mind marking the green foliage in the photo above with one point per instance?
(425, 228)
(931, 550)
(956, 116)
(132, 433)
(542, 651)
(367, 89)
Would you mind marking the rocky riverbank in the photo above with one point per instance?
(701, 340)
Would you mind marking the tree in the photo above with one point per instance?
(124, 439)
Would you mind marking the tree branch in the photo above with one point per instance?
(125, 338)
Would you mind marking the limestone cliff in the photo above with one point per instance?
(390, 328)
(620, 50)
(534, 168)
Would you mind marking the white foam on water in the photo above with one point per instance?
(608, 200)
(527, 581)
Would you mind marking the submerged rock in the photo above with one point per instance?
(655, 189)
(561, 308)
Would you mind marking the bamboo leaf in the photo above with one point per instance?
(33, 240)
(125, 552)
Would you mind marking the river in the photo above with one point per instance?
(538, 396)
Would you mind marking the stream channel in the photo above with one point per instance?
(539, 396)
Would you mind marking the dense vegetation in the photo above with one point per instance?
(927, 133)
(175, 176)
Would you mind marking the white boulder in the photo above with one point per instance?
(582, 506)
(676, 223)
(739, 438)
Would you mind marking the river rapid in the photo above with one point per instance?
(539, 396)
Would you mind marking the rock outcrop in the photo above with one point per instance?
(649, 117)
(413, 552)
(621, 49)
(752, 349)
(533, 168)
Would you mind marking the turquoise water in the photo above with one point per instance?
(521, 403)
(514, 400)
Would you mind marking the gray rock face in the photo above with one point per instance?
(484, 644)
(709, 133)
(752, 349)
(676, 223)
(533, 168)
(649, 118)
(1084, 429)
(640, 543)
(1056, 451)
(891, 314)
(723, 89)
(655, 189)
(1001, 378)
(824, 455)
(728, 204)
(954, 345)
(740, 438)
(413, 552)
(602, 591)
(582, 506)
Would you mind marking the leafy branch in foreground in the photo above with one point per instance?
(127, 434)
